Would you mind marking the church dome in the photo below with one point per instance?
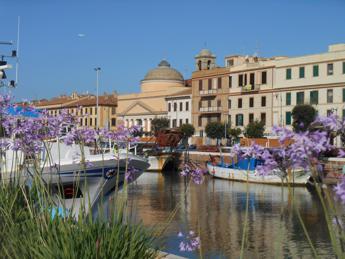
(163, 72)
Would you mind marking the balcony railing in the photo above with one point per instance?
(210, 109)
(208, 92)
(250, 88)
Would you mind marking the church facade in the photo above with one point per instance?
(141, 108)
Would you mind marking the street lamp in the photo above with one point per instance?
(97, 69)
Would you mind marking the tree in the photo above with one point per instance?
(233, 135)
(255, 129)
(303, 115)
(187, 131)
(215, 130)
(159, 123)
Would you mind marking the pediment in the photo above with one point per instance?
(138, 107)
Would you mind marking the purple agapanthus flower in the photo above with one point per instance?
(340, 190)
(195, 173)
(190, 242)
(130, 174)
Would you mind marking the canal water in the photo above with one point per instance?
(216, 209)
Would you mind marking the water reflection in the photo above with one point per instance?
(217, 209)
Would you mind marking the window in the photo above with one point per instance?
(219, 103)
(200, 121)
(245, 79)
(264, 77)
(263, 101)
(330, 69)
(315, 70)
(81, 122)
(200, 85)
(251, 102)
(288, 73)
(169, 107)
(329, 112)
(230, 81)
(175, 107)
(174, 123)
(181, 122)
(330, 96)
(230, 62)
(181, 107)
(240, 80)
(209, 84)
(219, 84)
(251, 117)
(229, 120)
(113, 122)
(113, 110)
(343, 67)
(239, 119)
(187, 106)
(229, 103)
(263, 118)
(187, 121)
(85, 121)
(288, 118)
(209, 103)
(300, 98)
(314, 97)
(239, 104)
(301, 72)
(343, 95)
(201, 133)
(252, 80)
(95, 121)
(288, 98)
(343, 114)
(90, 122)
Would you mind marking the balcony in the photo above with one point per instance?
(209, 92)
(250, 88)
(210, 109)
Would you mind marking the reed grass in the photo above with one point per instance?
(29, 229)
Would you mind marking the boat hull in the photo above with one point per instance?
(297, 178)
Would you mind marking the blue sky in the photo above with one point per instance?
(126, 38)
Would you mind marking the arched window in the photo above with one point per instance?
(199, 64)
(208, 64)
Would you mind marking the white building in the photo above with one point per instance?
(179, 107)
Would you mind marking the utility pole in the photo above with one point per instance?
(97, 69)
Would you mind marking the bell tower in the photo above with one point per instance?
(205, 60)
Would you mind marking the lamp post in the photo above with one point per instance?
(97, 69)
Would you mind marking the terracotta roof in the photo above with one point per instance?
(184, 92)
(188, 82)
(103, 100)
(77, 100)
(54, 101)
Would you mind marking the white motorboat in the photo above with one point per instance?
(245, 170)
(80, 183)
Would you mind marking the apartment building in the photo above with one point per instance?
(84, 107)
(317, 79)
(209, 93)
(252, 88)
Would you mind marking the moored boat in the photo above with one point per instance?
(245, 170)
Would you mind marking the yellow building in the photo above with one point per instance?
(84, 107)
(140, 108)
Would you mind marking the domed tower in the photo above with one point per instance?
(162, 78)
(205, 60)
